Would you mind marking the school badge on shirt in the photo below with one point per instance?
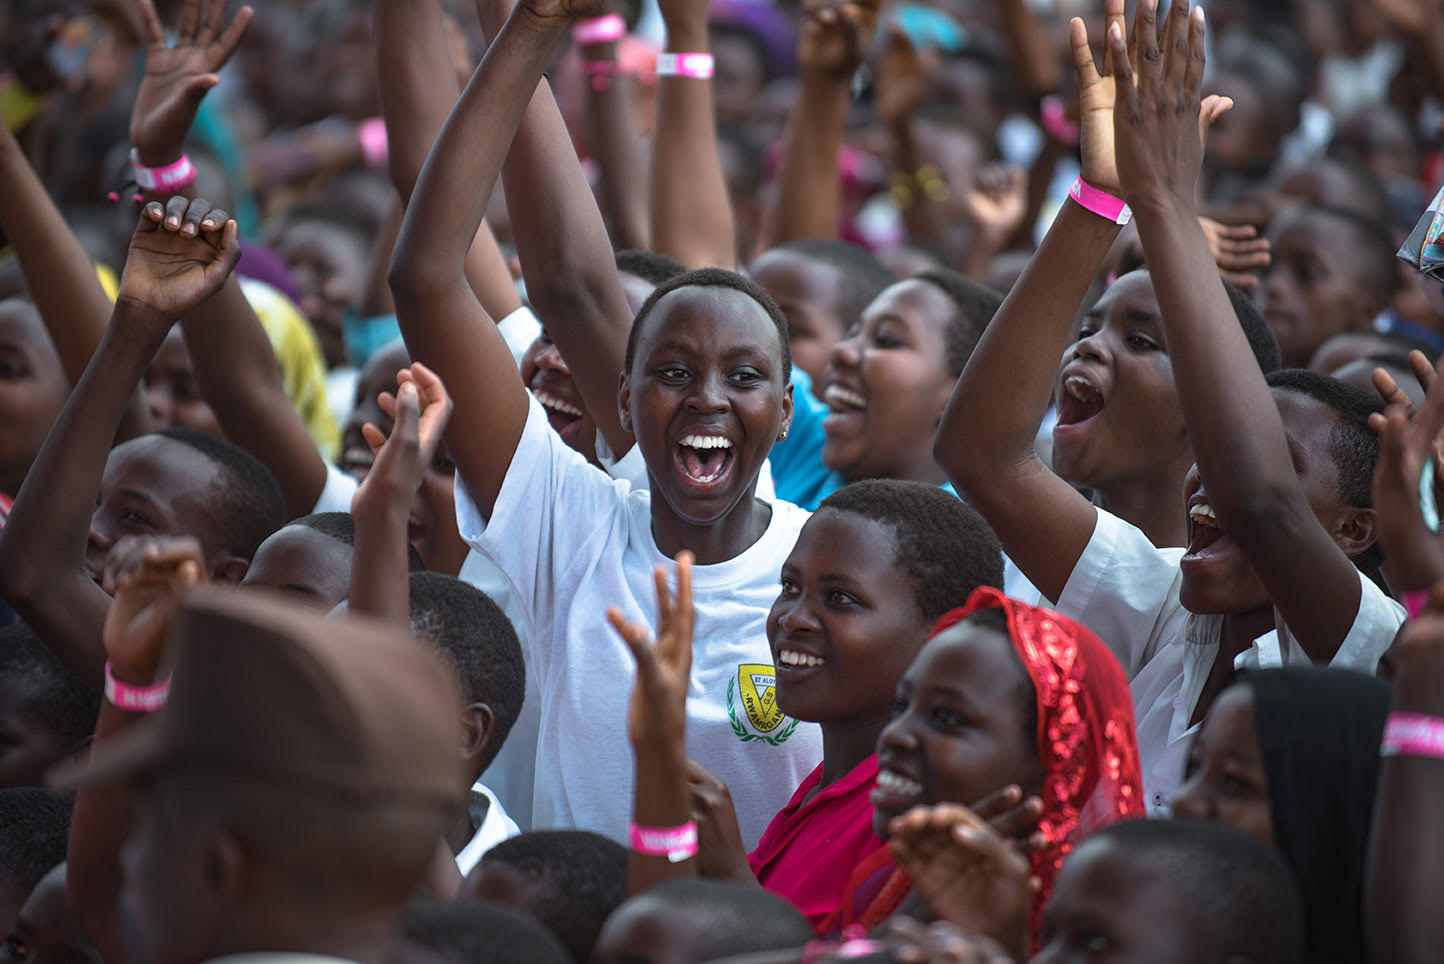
(755, 688)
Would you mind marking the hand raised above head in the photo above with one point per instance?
(145, 576)
(561, 13)
(419, 410)
(182, 252)
(658, 711)
(836, 35)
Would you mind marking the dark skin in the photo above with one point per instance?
(807, 292)
(28, 746)
(45, 931)
(1226, 781)
(645, 930)
(171, 391)
(32, 390)
(311, 567)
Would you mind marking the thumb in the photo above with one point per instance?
(196, 88)
(1212, 108)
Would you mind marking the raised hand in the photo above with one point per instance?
(181, 254)
(1159, 126)
(177, 78)
(1390, 390)
(1408, 443)
(658, 710)
(419, 410)
(145, 575)
(562, 13)
(996, 204)
(1238, 251)
(1096, 100)
(836, 35)
(720, 853)
(905, 76)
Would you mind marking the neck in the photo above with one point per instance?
(847, 743)
(713, 542)
(1241, 629)
(920, 467)
(1153, 503)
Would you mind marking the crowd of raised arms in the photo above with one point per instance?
(765, 481)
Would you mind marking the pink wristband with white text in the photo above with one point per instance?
(1100, 203)
(135, 699)
(599, 30)
(696, 66)
(1413, 734)
(172, 177)
(674, 843)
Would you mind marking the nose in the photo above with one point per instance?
(708, 395)
(551, 359)
(847, 353)
(1094, 346)
(159, 402)
(798, 617)
(98, 540)
(898, 735)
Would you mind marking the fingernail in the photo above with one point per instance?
(1114, 31)
(172, 222)
(1197, 14)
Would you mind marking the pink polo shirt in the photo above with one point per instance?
(808, 852)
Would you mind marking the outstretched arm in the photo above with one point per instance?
(444, 324)
(985, 441)
(1238, 437)
(691, 213)
(171, 268)
(616, 146)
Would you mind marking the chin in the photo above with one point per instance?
(1215, 597)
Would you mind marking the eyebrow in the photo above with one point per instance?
(141, 497)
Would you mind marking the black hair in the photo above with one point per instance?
(860, 276)
(34, 831)
(578, 878)
(1237, 891)
(479, 643)
(342, 527)
(471, 932)
(246, 506)
(650, 266)
(52, 694)
(942, 543)
(725, 918)
(1372, 253)
(714, 278)
(1353, 446)
(1261, 340)
(976, 303)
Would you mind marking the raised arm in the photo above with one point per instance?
(834, 39)
(1233, 421)
(691, 212)
(444, 325)
(614, 141)
(985, 441)
(1413, 554)
(43, 571)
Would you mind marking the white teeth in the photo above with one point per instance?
(1203, 514)
(359, 455)
(842, 399)
(707, 442)
(890, 781)
(1081, 388)
(790, 657)
(549, 400)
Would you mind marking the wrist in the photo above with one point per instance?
(139, 314)
(687, 36)
(134, 673)
(151, 156)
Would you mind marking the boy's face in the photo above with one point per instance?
(28, 747)
(1118, 412)
(1108, 906)
(45, 931)
(1311, 292)
(33, 390)
(706, 399)
(301, 562)
(1216, 576)
(887, 383)
(1226, 781)
(645, 930)
(806, 291)
(328, 266)
(154, 485)
(848, 609)
(171, 392)
(959, 730)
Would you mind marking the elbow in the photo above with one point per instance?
(414, 274)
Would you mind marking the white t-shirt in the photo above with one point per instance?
(1126, 591)
(495, 827)
(573, 542)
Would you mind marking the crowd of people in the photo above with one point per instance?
(674, 481)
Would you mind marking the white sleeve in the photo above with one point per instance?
(551, 517)
(340, 489)
(1126, 589)
(519, 329)
(1375, 626)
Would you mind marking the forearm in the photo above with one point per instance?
(616, 146)
(1036, 69)
(379, 576)
(809, 200)
(661, 799)
(416, 80)
(926, 223)
(691, 212)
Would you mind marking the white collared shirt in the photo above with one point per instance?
(495, 827)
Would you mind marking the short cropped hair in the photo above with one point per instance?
(860, 276)
(1373, 250)
(578, 877)
(650, 266)
(247, 504)
(477, 641)
(976, 304)
(1239, 892)
(943, 544)
(472, 932)
(52, 695)
(1261, 340)
(342, 527)
(727, 918)
(34, 831)
(714, 278)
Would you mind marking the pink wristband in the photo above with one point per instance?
(172, 177)
(1414, 602)
(605, 29)
(601, 72)
(135, 699)
(696, 66)
(674, 843)
(1100, 203)
(1054, 118)
(372, 135)
(1413, 734)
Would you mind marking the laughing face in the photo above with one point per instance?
(887, 383)
(550, 380)
(706, 397)
(962, 726)
(846, 624)
(1118, 411)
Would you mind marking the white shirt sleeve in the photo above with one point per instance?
(519, 329)
(1125, 590)
(340, 489)
(1375, 626)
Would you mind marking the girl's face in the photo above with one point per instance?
(1225, 780)
(1118, 411)
(171, 392)
(33, 390)
(962, 726)
(806, 291)
(887, 383)
(328, 266)
(846, 624)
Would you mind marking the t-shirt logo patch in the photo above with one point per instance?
(757, 682)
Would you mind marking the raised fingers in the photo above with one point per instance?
(1083, 54)
(1196, 56)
